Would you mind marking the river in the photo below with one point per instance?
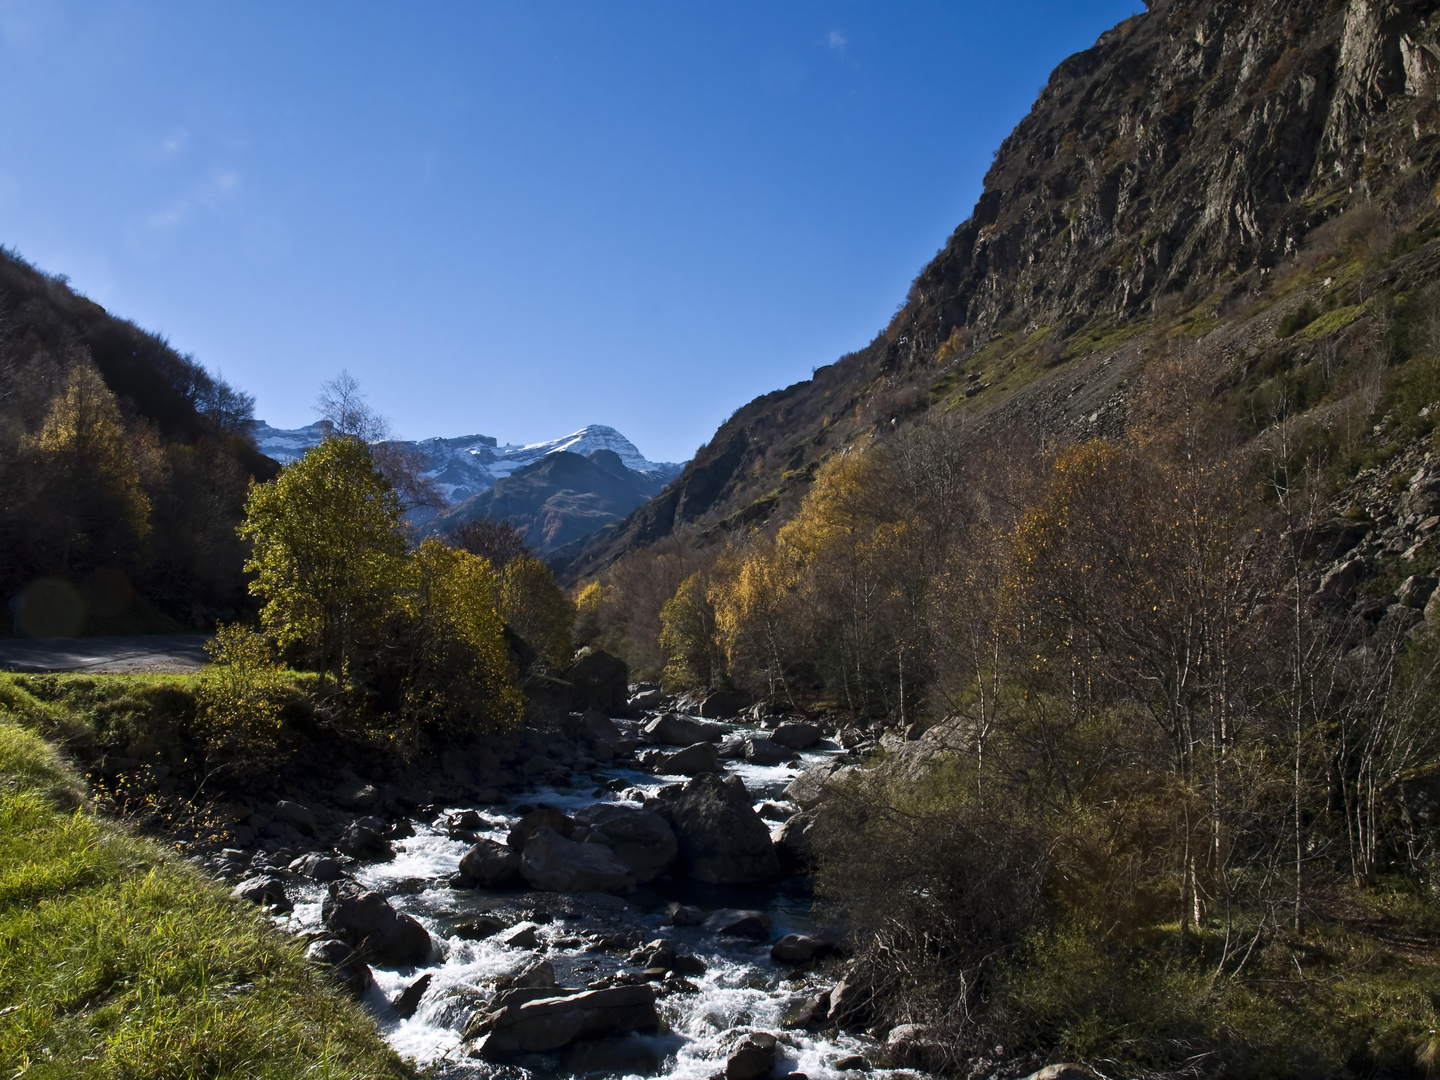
(741, 988)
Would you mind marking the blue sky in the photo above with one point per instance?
(511, 219)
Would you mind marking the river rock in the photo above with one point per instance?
(1062, 1072)
(598, 681)
(536, 975)
(732, 748)
(722, 840)
(807, 789)
(556, 864)
(479, 928)
(723, 705)
(731, 922)
(800, 949)
(914, 1046)
(409, 1000)
(301, 817)
(793, 843)
(849, 1004)
(340, 962)
(318, 867)
(267, 890)
(853, 1063)
(678, 914)
(672, 729)
(365, 919)
(544, 818)
(641, 839)
(797, 736)
(692, 761)
(550, 1024)
(627, 1055)
(493, 865)
(767, 752)
(364, 842)
(355, 794)
(752, 1058)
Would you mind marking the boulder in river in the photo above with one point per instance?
(341, 963)
(365, 842)
(723, 705)
(409, 1000)
(301, 817)
(267, 890)
(365, 919)
(767, 752)
(672, 729)
(553, 1023)
(794, 845)
(722, 840)
(492, 864)
(556, 864)
(544, 818)
(480, 927)
(800, 949)
(692, 761)
(730, 922)
(809, 787)
(318, 867)
(796, 735)
(753, 1057)
(641, 839)
(626, 1055)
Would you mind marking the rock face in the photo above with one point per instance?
(1246, 127)
(364, 919)
(549, 1024)
(641, 839)
(493, 865)
(722, 840)
(558, 865)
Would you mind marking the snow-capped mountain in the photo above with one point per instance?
(467, 465)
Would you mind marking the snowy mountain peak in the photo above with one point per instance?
(466, 465)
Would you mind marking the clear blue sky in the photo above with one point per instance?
(511, 218)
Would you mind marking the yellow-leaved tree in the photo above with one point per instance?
(460, 680)
(534, 607)
(329, 557)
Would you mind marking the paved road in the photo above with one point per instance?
(157, 653)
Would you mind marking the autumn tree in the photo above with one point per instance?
(328, 554)
(536, 608)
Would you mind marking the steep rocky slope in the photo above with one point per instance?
(1174, 177)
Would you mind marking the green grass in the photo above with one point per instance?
(118, 960)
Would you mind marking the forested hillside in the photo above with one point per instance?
(123, 470)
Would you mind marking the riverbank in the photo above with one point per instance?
(121, 960)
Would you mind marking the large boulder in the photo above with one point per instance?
(672, 729)
(794, 845)
(364, 841)
(753, 1057)
(267, 890)
(800, 949)
(301, 817)
(641, 839)
(318, 867)
(606, 739)
(534, 821)
(703, 757)
(732, 922)
(767, 752)
(809, 787)
(722, 840)
(364, 919)
(553, 1023)
(723, 705)
(555, 864)
(493, 865)
(797, 736)
(341, 964)
(598, 681)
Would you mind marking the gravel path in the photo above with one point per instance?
(154, 653)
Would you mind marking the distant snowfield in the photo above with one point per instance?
(469, 464)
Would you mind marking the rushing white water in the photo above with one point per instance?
(741, 987)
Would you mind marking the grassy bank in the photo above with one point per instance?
(119, 960)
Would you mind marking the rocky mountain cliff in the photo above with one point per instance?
(1172, 184)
